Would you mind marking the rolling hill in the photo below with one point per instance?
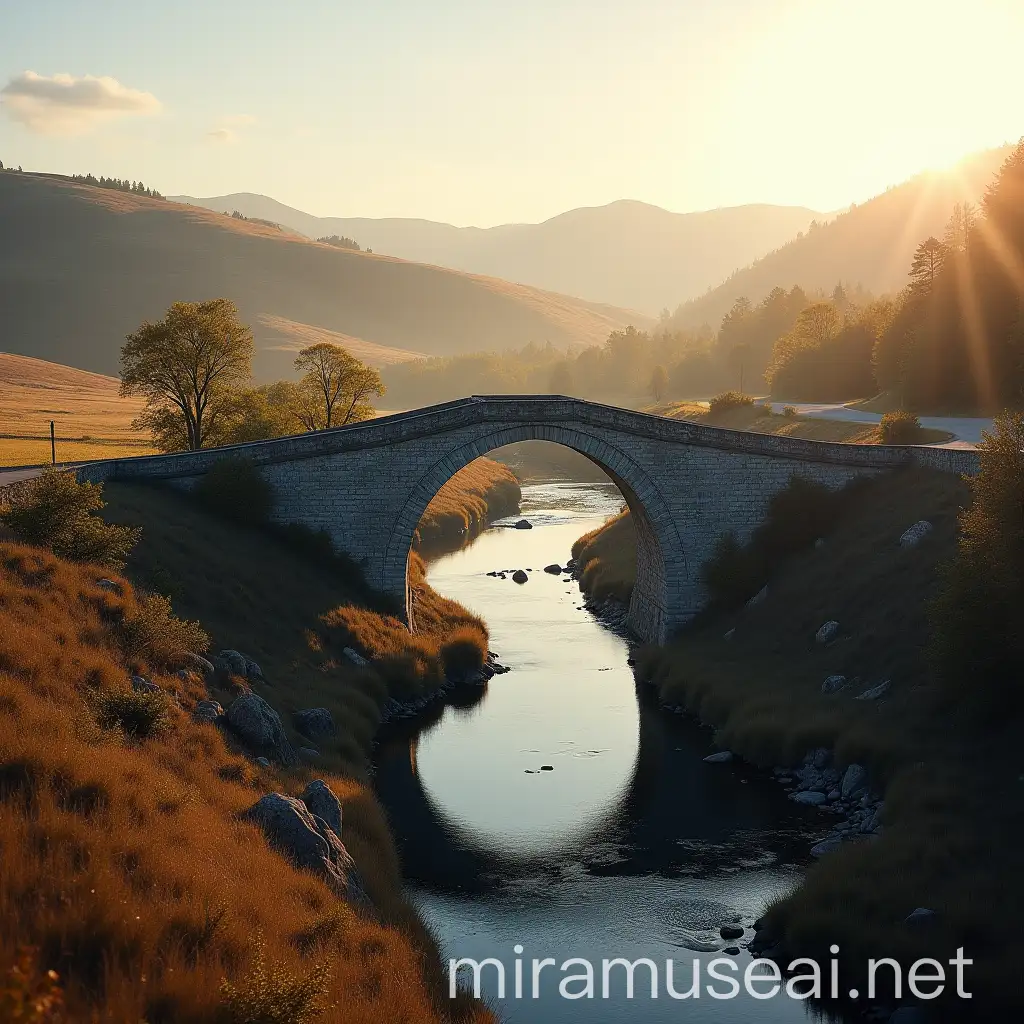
(871, 244)
(80, 267)
(629, 253)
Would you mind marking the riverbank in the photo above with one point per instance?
(478, 494)
(155, 824)
(945, 838)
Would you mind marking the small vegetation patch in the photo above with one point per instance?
(153, 634)
(900, 427)
(54, 511)
(728, 400)
(138, 714)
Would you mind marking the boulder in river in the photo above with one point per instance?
(855, 780)
(828, 632)
(524, 524)
(731, 931)
(811, 797)
(520, 576)
(555, 569)
(720, 757)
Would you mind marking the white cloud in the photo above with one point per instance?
(64, 105)
(222, 136)
(226, 130)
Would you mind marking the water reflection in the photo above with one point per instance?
(631, 845)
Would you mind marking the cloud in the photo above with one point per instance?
(222, 136)
(64, 105)
(225, 132)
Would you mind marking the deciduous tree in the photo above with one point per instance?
(336, 387)
(187, 366)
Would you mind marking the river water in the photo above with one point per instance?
(632, 846)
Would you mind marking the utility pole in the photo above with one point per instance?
(53, 446)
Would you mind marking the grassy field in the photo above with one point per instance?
(126, 866)
(91, 420)
(761, 420)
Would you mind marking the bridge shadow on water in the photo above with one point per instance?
(674, 816)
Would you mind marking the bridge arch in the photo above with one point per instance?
(662, 565)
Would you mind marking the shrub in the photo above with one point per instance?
(899, 427)
(235, 489)
(55, 511)
(461, 653)
(271, 994)
(140, 714)
(798, 515)
(151, 632)
(29, 995)
(728, 400)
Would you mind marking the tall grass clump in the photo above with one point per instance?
(150, 632)
(606, 559)
(234, 489)
(899, 427)
(978, 637)
(55, 511)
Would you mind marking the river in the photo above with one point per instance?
(632, 846)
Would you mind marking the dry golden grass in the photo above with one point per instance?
(125, 862)
(606, 559)
(760, 420)
(481, 492)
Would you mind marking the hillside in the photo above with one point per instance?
(870, 245)
(629, 253)
(80, 267)
(91, 420)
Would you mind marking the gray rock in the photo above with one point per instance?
(315, 723)
(833, 795)
(524, 524)
(200, 664)
(731, 950)
(140, 684)
(112, 585)
(354, 656)
(915, 534)
(875, 692)
(760, 596)
(820, 542)
(259, 725)
(252, 670)
(729, 634)
(235, 661)
(731, 931)
(721, 757)
(813, 798)
(555, 569)
(828, 632)
(855, 779)
(263, 762)
(308, 842)
(308, 753)
(922, 915)
(819, 758)
(319, 798)
(833, 684)
(207, 711)
(519, 576)
(825, 846)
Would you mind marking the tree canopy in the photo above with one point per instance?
(336, 387)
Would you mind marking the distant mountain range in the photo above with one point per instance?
(80, 267)
(871, 244)
(626, 253)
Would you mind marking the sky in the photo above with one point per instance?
(494, 111)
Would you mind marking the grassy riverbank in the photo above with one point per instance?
(478, 494)
(126, 867)
(952, 817)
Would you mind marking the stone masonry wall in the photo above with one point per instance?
(686, 484)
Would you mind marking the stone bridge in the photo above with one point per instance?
(686, 484)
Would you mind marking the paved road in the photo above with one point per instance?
(965, 429)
